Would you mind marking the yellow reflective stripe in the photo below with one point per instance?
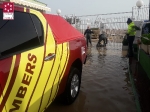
(42, 19)
(50, 48)
(65, 58)
(35, 100)
(63, 65)
(49, 87)
(54, 89)
(4, 110)
(55, 79)
(9, 77)
(24, 61)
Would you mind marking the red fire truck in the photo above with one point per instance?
(41, 57)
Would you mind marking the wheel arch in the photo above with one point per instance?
(65, 96)
(77, 64)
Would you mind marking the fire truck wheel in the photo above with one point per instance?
(73, 85)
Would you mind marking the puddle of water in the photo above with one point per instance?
(105, 83)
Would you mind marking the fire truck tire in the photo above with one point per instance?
(73, 86)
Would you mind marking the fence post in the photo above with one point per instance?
(132, 12)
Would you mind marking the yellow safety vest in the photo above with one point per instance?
(131, 29)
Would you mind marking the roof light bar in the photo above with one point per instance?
(31, 4)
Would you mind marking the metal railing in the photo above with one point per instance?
(112, 23)
(140, 13)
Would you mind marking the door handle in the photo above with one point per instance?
(49, 57)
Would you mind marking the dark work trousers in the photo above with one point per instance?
(88, 40)
(104, 39)
(130, 45)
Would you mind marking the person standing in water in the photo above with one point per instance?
(87, 34)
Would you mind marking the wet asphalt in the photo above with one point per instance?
(105, 83)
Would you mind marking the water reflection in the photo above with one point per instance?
(78, 106)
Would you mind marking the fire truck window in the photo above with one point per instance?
(17, 35)
(38, 26)
(1, 18)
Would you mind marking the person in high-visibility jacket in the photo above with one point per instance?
(130, 36)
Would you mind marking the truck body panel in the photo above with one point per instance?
(34, 70)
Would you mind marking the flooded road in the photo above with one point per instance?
(105, 83)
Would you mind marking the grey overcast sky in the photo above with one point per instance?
(90, 7)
